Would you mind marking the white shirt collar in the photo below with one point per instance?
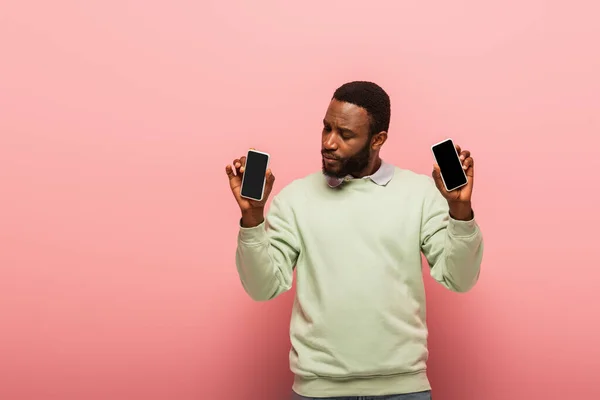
(381, 177)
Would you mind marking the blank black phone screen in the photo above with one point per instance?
(254, 175)
(450, 165)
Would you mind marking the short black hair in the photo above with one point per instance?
(372, 98)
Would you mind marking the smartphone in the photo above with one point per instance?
(446, 156)
(254, 176)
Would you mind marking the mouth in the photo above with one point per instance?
(330, 158)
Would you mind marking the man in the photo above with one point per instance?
(355, 234)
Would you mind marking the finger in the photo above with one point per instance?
(234, 181)
(437, 177)
(467, 163)
(464, 155)
(457, 148)
(243, 162)
(270, 177)
(470, 164)
(236, 165)
(229, 171)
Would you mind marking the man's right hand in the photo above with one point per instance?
(252, 211)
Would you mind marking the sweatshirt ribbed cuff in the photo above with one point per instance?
(254, 235)
(462, 228)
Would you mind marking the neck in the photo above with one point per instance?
(373, 166)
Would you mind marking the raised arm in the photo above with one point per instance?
(267, 249)
(451, 239)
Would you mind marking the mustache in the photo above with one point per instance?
(329, 155)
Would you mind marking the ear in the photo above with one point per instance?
(378, 140)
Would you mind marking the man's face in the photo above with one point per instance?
(345, 142)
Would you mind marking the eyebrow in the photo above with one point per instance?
(340, 128)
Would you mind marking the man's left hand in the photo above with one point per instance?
(459, 199)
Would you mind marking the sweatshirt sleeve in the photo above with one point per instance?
(453, 248)
(266, 254)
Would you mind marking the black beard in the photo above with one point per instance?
(352, 165)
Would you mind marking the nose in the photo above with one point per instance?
(329, 142)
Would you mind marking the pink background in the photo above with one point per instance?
(117, 227)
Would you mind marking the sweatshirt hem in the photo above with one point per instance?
(362, 386)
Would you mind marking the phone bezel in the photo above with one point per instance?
(457, 156)
(262, 195)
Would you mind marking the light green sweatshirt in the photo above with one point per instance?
(358, 322)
